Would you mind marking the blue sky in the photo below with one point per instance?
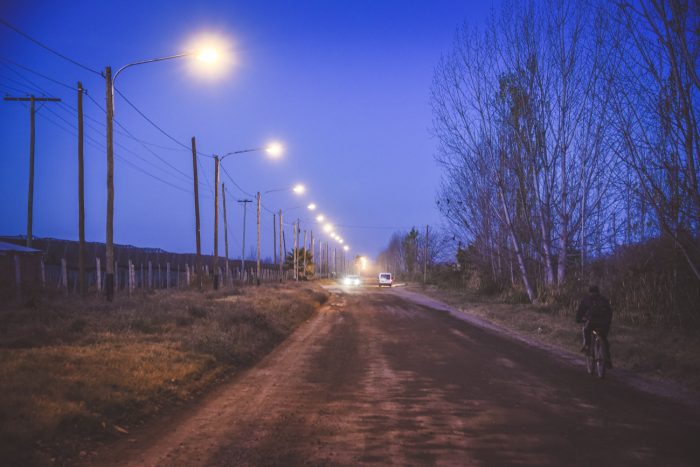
(343, 84)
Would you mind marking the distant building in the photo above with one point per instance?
(20, 269)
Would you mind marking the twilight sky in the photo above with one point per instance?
(344, 85)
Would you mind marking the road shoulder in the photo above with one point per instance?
(670, 390)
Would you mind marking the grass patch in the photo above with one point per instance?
(74, 371)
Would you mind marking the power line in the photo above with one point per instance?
(151, 121)
(234, 182)
(36, 72)
(99, 146)
(99, 106)
(40, 44)
(72, 125)
(13, 89)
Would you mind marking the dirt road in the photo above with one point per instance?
(378, 378)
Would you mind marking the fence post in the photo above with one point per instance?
(150, 274)
(167, 275)
(187, 274)
(42, 268)
(64, 275)
(128, 276)
(99, 274)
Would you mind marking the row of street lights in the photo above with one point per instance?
(209, 56)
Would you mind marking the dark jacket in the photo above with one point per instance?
(594, 308)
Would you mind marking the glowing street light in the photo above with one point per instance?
(211, 50)
(311, 207)
(328, 228)
(299, 189)
(208, 55)
(205, 54)
(320, 218)
(346, 248)
(274, 149)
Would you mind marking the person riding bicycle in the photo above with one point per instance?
(595, 311)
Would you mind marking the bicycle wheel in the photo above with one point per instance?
(590, 361)
(599, 355)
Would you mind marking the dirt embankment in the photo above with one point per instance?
(78, 371)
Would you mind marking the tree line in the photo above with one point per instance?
(568, 131)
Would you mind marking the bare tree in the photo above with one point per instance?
(658, 108)
(520, 114)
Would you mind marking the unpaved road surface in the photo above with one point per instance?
(377, 378)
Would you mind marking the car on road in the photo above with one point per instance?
(352, 280)
(385, 279)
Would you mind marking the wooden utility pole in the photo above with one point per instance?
(425, 257)
(274, 237)
(305, 254)
(282, 252)
(198, 260)
(81, 197)
(223, 200)
(32, 137)
(296, 250)
(245, 205)
(257, 268)
(109, 243)
(313, 262)
(216, 222)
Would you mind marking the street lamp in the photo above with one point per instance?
(273, 149)
(109, 82)
(298, 189)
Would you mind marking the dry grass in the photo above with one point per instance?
(658, 352)
(73, 371)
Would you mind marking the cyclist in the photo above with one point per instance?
(595, 311)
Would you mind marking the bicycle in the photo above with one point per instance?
(595, 356)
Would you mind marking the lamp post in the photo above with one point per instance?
(272, 149)
(109, 244)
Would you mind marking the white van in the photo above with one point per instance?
(385, 279)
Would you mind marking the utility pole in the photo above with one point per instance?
(257, 269)
(32, 136)
(297, 231)
(81, 197)
(282, 252)
(425, 257)
(223, 200)
(109, 241)
(216, 222)
(274, 237)
(313, 262)
(245, 206)
(196, 215)
(305, 253)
